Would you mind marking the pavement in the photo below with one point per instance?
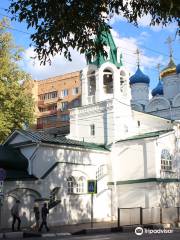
(63, 230)
(76, 229)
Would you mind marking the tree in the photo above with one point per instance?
(16, 104)
(61, 25)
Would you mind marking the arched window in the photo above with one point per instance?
(80, 187)
(166, 160)
(108, 81)
(71, 183)
(91, 83)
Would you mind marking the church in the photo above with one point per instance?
(119, 137)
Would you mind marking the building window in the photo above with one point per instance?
(64, 106)
(138, 123)
(75, 103)
(92, 130)
(64, 93)
(80, 187)
(101, 171)
(47, 96)
(71, 183)
(75, 91)
(65, 117)
(166, 160)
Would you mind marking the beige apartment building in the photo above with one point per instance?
(53, 99)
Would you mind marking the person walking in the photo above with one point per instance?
(15, 215)
(36, 215)
(44, 213)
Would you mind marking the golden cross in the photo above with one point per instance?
(169, 42)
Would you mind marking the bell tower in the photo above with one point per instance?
(105, 77)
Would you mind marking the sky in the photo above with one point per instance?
(150, 41)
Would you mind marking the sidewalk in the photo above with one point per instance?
(62, 230)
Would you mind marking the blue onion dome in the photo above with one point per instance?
(139, 77)
(158, 90)
(178, 68)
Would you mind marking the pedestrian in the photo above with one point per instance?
(15, 215)
(36, 215)
(44, 213)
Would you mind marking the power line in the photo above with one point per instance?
(149, 49)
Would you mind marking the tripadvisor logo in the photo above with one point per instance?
(139, 231)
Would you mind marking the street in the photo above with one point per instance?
(116, 236)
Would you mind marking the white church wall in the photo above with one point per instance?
(140, 93)
(158, 103)
(49, 155)
(168, 142)
(100, 115)
(171, 86)
(134, 160)
(134, 195)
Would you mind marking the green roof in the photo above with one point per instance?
(146, 135)
(106, 38)
(43, 137)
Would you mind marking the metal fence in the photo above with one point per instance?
(139, 215)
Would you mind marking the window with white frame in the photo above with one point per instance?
(166, 160)
(92, 130)
(80, 187)
(101, 171)
(64, 106)
(64, 93)
(75, 91)
(71, 183)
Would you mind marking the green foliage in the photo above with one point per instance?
(16, 104)
(63, 24)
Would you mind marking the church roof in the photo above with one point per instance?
(158, 90)
(139, 77)
(146, 135)
(169, 69)
(106, 37)
(44, 137)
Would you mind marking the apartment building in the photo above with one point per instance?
(53, 99)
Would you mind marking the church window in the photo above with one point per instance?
(101, 171)
(91, 83)
(108, 81)
(166, 160)
(80, 187)
(138, 123)
(92, 129)
(71, 183)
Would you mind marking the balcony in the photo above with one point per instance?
(40, 102)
